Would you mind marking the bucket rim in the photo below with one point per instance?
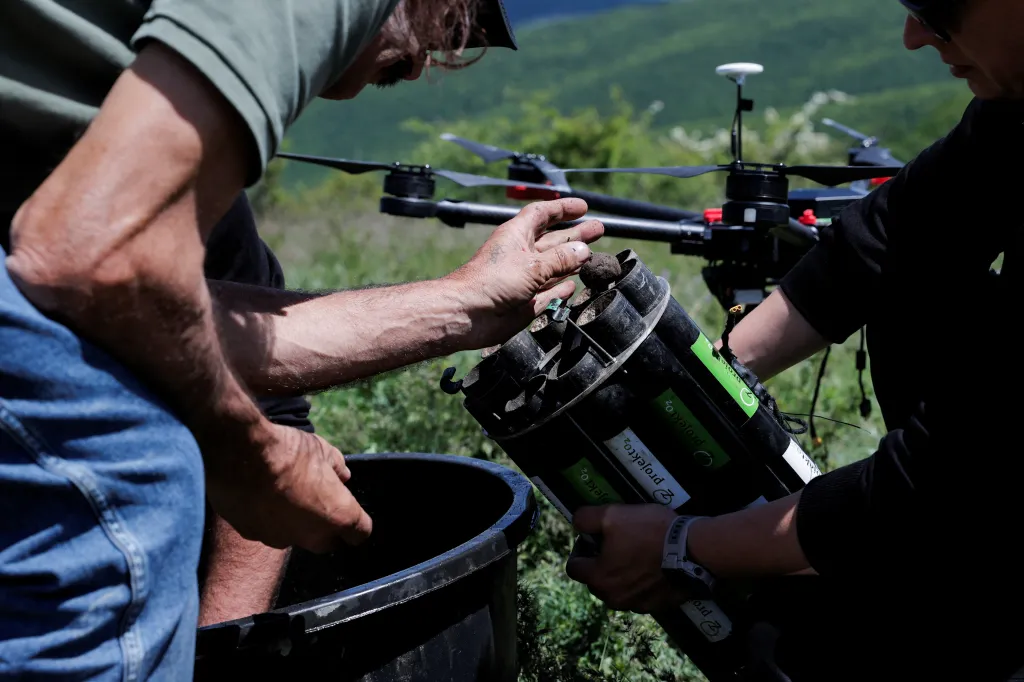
(278, 627)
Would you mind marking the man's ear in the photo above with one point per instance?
(353, 79)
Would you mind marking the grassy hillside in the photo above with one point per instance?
(657, 52)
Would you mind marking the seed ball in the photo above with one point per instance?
(601, 270)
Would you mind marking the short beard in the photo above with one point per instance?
(395, 74)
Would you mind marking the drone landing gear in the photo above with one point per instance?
(734, 285)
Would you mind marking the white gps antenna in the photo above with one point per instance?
(737, 72)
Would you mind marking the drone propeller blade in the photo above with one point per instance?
(831, 176)
(464, 179)
(859, 136)
(491, 153)
(875, 156)
(672, 171)
(486, 152)
(354, 167)
(551, 172)
(470, 180)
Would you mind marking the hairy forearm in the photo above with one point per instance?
(112, 242)
(290, 343)
(242, 577)
(773, 337)
(759, 541)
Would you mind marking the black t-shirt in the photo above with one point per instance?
(234, 253)
(917, 544)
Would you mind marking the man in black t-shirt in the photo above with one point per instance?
(908, 557)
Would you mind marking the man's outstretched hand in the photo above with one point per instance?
(522, 267)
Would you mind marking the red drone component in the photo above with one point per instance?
(712, 215)
(808, 218)
(879, 181)
(531, 194)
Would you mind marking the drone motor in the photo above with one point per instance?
(408, 192)
(524, 168)
(757, 197)
(413, 183)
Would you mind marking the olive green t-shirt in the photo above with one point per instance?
(59, 58)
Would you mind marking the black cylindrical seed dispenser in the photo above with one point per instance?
(619, 397)
(606, 416)
(547, 332)
(681, 424)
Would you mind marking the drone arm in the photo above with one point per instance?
(798, 234)
(632, 208)
(459, 213)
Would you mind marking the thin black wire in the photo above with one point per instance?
(817, 388)
(787, 419)
(862, 361)
(818, 416)
(789, 422)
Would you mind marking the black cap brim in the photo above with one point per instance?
(493, 29)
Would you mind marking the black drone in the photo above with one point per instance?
(758, 235)
(760, 232)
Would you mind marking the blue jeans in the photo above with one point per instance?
(101, 512)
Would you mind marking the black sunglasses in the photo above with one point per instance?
(935, 15)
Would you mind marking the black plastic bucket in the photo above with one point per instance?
(430, 596)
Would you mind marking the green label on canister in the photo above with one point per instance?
(698, 442)
(725, 374)
(590, 484)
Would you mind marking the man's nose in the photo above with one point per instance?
(916, 35)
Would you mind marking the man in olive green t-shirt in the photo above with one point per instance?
(126, 380)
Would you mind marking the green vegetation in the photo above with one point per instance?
(657, 53)
(332, 237)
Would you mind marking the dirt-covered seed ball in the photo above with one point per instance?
(601, 270)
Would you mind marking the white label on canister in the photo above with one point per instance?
(803, 465)
(709, 619)
(757, 503)
(750, 215)
(647, 470)
(551, 497)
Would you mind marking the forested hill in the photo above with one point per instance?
(530, 12)
(665, 52)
